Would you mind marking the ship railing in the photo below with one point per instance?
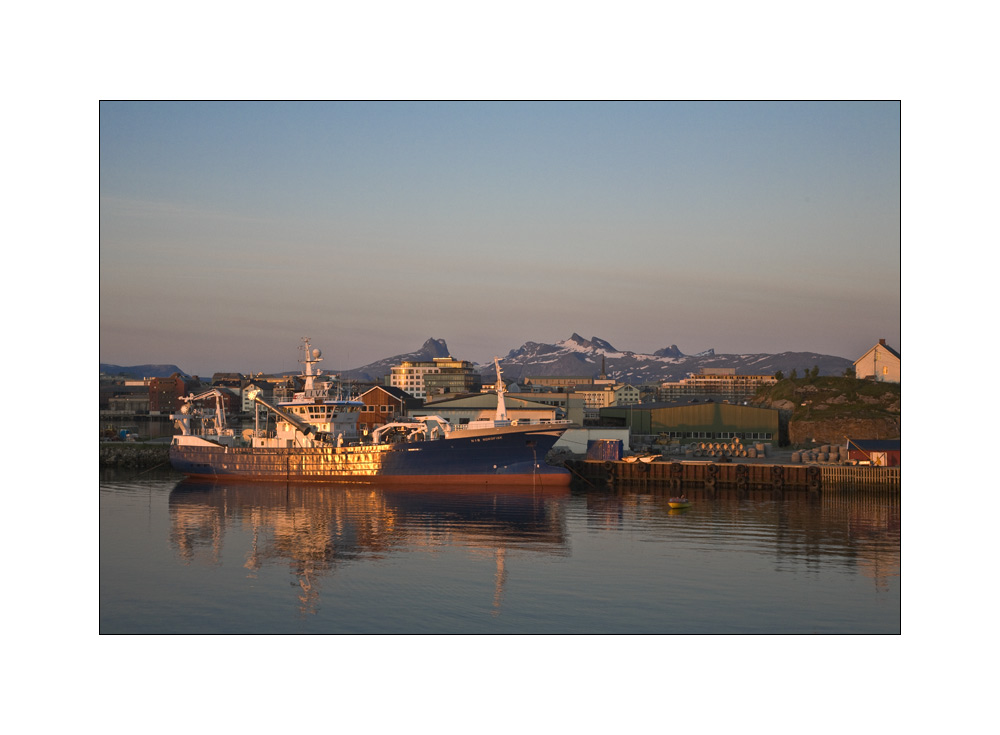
(521, 422)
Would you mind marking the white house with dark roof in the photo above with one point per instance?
(880, 363)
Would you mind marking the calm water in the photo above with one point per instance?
(183, 557)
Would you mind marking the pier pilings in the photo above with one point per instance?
(739, 475)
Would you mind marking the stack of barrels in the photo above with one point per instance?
(825, 453)
(734, 448)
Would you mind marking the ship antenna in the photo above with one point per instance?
(501, 406)
(312, 357)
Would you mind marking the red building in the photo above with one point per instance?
(878, 452)
(165, 393)
(383, 403)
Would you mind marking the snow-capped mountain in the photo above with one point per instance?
(577, 356)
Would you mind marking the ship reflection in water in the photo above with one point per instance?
(260, 558)
(314, 530)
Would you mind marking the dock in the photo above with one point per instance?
(678, 475)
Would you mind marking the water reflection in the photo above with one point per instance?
(313, 529)
(798, 529)
(255, 558)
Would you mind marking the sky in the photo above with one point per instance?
(228, 231)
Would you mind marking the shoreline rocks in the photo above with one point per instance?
(133, 456)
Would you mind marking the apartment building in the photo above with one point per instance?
(423, 379)
(721, 382)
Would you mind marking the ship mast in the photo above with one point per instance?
(501, 406)
(312, 357)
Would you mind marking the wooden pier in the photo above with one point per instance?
(858, 477)
(740, 475)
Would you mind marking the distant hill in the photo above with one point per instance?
(141, 371)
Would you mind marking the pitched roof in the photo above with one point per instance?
(875, 445)
(392, 391)
(885, 347)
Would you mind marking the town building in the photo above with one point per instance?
(696, 421)
(228, 380)
(383, 404)
(557, 382)
(876, 452)
(261, 387)
(129, 400)
(598, 396)
(440, 376)
(719, 383)
(590, 393)
(165, 393)
(880, 363)
(570, 405)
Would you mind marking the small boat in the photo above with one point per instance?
(681, 502)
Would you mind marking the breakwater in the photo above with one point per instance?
(128, 455)
(676, 476)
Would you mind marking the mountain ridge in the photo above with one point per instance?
(577, 356)
(583, 357)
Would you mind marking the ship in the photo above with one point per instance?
(314, 437)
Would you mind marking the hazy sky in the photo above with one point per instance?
(230, 230)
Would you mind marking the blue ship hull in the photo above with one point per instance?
(500, 458)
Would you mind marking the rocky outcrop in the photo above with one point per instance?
(836, 431)
(825, 410)
(133, 456)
